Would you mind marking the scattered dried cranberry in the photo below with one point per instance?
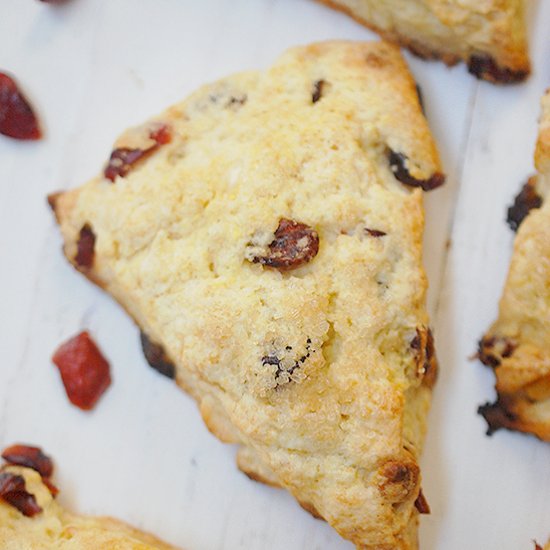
(17, 119)
(14, 492)
(30, 457)
(295, 244)
(317, 91)
(486, 68)
(156, 357)
(123, 159)
(421, 504)
(525, 201)
(84, 370)
(397, 164)
(85, 248)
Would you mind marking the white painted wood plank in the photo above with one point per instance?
(485, 492)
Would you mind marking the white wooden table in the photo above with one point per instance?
(94, 67)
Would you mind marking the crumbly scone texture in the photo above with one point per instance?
(489, 35)
(517, 346)
(54, 528)
(320, 372)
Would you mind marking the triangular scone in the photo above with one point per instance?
(267, 245)
(517, 346)
(489, 35)
(54, 528)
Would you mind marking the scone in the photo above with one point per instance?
(517, 346)
(32, 519)
(265, 234)
(488, 35)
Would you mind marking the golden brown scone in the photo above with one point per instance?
(271, 252)
(53, 527)
(489, 35)
(517, 346)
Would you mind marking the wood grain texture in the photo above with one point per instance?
(94, 67)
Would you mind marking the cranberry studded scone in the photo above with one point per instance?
(488, 35)
(32, 519)
(265, 234)
(517, 346)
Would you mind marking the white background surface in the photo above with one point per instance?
(94, 67)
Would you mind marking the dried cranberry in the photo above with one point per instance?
(54, 491)
(123, 159)
(375, 232)
(85, 251)
(84, 370)
(486, 68)
(14, 492)
(156, 357)
(397, 164)
(525, 201)
(426, 360)
(492, 349)
(317, 91)
(17, 119)
(30, 457)
(295, 244)
(497, 416)
(398, 479)
(421, 504)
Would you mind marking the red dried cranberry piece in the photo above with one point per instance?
(30, 457)
(375, 232)
(525, 201)
(123, 159)
(492, 349)
(397, 164)
(54, 491)
(161, 135)
(317, 92)
(421, 504)
(85, 248)
(486, 68)
(84, 370)
(156, 357)
(17, 119)
(426, 360)
(14, 492)
(295, 244)
(498, 416)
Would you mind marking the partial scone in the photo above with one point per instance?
(267, 240)
(489, 35)
(53, 527)
(517, 346)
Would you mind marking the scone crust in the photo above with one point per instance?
(517, 346)
(54, 528)
(490, 36)
(342, 427)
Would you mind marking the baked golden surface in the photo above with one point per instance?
(489, 35)
(54, 528)
(517, 346)
(320, 368)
